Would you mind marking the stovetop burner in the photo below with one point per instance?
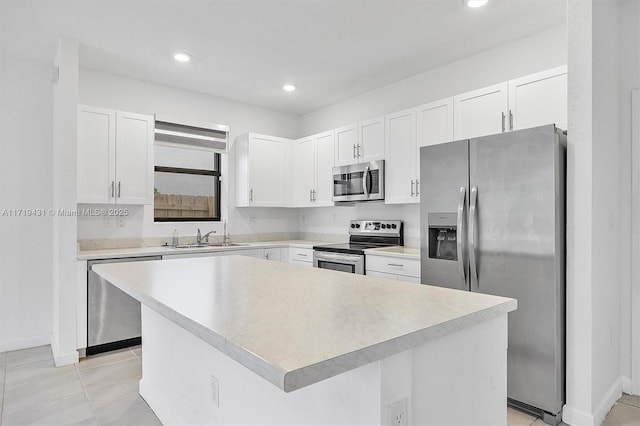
(366, 234)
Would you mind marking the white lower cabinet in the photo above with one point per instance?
(301, 256)
(393, 268)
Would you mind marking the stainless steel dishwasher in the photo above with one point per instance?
(113, 317)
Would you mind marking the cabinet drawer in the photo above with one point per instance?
(393, 265)
(301, 254)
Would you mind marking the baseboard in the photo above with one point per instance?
(573, 416)
(63, 358)
(157, 405)
(627, 385)
(29, 342)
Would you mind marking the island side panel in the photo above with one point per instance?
(180, 373)
(465, 369)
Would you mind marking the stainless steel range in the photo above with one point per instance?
(363, 234)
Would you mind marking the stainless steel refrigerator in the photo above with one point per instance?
(493, 221)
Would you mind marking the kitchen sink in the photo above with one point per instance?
(195, 245)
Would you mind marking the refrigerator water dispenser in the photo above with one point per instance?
(442, 236)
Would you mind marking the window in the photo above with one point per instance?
(187, 173)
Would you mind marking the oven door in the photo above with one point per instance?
(359, 182)
(352, 263)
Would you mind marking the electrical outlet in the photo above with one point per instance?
(397, 413)
(252, 219)
(215, 396)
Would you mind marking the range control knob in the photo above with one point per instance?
(393, 226)
(357, 225)
(353, 225)
(383, 226)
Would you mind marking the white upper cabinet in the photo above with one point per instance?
(304, 171)
(401, 170)
(481, 112)
(313, 165)
(134, 158)
(405, 132)
(371, 140)
(359, 143)
(533, 100)
(435, 122)
(324, 169)
(346, 145)
(115, 156)
(261, 170)
(539, 99)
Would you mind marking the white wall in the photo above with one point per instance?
(629, 72)
(603, 67)
(117, 92)
(521, 57)
(25, 183)
(64, 196)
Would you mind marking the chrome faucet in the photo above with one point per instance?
(200, 238)
(225, 235)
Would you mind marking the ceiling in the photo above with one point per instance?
(245, 50)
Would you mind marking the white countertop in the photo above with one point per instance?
(396, 251)
(295, 325)
(165, 250)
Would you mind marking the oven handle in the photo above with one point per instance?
(344, 258)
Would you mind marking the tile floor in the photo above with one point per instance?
(100, 390)
(103, 390)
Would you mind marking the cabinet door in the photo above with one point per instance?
(266, 171)
(435, 122)
(274, 254)
(304, 171)
(346, 142)
(324, 169)
(481, 112)
(96, 154)
(134, 158)
(400, 170)
(539, 99)
(371, 137)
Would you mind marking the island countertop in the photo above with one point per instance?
(295, 325)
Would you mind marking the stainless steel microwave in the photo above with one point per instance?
(359, 182)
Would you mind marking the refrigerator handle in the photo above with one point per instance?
(472, 236)
(460, 233)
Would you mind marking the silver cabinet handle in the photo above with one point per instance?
(354, 150)
(359, 150)
(266, 256)
(251, 194)
(503, 118)
(412, 191)
(417, 187)
(472, 236)
(113, 188)
(310, 195)
(365, 177)
(301, 254)
(460, 233)
(119, 188)
(314, 196)
(396, 264)
(510, 120)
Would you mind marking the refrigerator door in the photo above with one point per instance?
(444, 180)
(517, 235)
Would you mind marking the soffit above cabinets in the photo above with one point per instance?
(245, 50)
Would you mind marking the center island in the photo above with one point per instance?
(239, 340)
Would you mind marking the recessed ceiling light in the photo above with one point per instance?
(182, 57)
(288, 87)
(475, 3)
